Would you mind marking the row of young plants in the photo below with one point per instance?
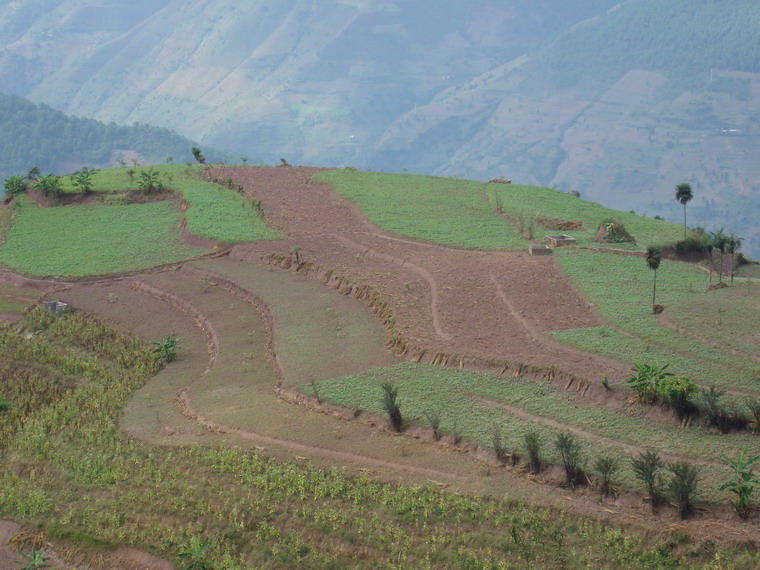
(656, 384)
(682, 486)
(233, 508)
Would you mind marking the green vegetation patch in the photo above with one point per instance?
(215, 212)
(724, 317)
(88, 240)
(461, 398)
(539, 202)
(449, 211)
(620, 286)
(463, 213)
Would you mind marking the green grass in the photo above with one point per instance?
(8, 302)
(462, 213)
(215, 212)
(725, 317)
(449, 211)
(89, 240)
(454, 393)
(543, 202)
(621, 289)
(112, 236)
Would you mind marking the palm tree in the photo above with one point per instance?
(654, 256)
(720, 241)
(734, 244)
(684, 195)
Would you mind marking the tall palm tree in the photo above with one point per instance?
(654, 256)
(733, 244)
(684, 196)
(720, 242)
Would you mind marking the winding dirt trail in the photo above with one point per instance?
(205, 324)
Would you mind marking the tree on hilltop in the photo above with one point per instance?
(684, 196)
(198, 155)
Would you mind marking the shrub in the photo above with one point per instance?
(533, 445)
(720, 416)
(434, 419)
(646, 381)
(569, 449)
(3, 405)
(150, 181)
(605, 467)
(646, 467)
(613, 232)
(50, 185)
(391, 405)
(166, 349)
(676, 392)
(682, 486)
(743, 481)
(499, 449)
(14, 185)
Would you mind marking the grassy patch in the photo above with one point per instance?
(462, 213)
(215, 212)
(456, 394)
(11, 298)
(86, 240)
(442, 210)
(621, 288)
(6, 215)
(725, 317)
(548, 203)
(111, 236)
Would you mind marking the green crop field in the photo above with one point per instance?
(462, 213)
(112, 235)
(215, 212)
(621, 288)
(251, 511)
(462, 400)
(725, 318)
(443, 210)
(91, 240)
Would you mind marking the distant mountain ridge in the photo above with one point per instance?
(38, 135)
(618, 100)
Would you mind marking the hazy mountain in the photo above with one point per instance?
(620, 101)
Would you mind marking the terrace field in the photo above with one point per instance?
(268, 437)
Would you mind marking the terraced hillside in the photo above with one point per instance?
(285, 346)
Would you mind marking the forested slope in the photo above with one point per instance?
(38, 135)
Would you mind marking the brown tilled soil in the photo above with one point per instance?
(486, 305)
